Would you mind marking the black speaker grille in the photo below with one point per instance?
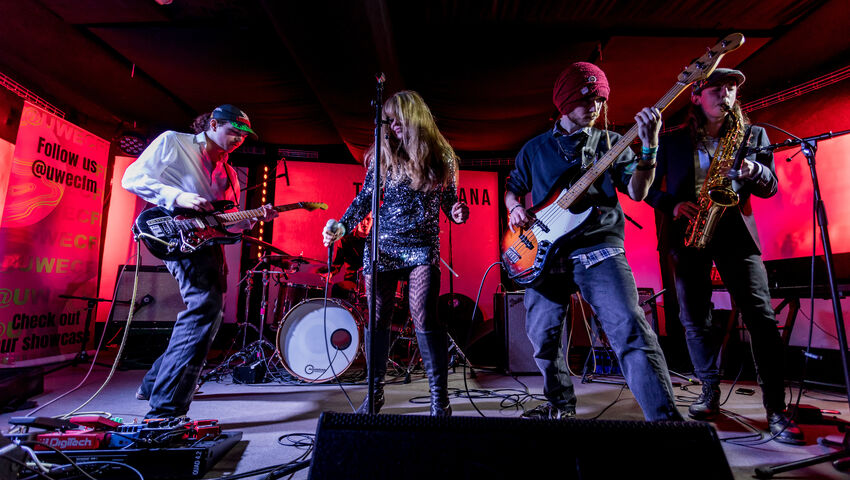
(410, 446)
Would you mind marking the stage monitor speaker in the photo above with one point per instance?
(411, 447)
(157, 296)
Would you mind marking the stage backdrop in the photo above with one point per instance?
(474, 244)
(49, 237)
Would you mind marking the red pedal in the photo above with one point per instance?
(202, 428)
(96, 422)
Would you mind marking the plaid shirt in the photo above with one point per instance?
(592, 258)
(589, 259)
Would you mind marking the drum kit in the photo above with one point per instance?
(316, 339)
(315, 342)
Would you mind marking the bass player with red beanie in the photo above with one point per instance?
(592, 261)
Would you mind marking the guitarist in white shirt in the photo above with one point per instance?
(593, 260)
(191, 171)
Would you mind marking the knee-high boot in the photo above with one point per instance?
(380, 351)
(433, 346)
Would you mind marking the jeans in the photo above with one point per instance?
(171, 381)
(609, 287)
(745, 278)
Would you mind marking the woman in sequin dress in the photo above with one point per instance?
(419, 177)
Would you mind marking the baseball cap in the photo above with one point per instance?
(718, 76)
(237, 118)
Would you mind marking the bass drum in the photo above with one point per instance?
(316, 349)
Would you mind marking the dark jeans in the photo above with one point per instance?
(609, 287)
(171, 382)
(745, 278)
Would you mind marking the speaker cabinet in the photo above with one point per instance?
(158, 297)
(646, 300)
(158, 302)
(517, 354)
(373, 447)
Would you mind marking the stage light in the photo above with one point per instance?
(132, 144)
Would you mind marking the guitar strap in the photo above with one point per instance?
(232, 185)
(588, 153)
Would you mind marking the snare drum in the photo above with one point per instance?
(306, 340)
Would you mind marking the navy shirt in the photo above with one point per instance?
(548, 157)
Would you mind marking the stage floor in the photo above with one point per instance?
(266, 412)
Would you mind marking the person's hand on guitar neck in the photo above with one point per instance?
(269, 213)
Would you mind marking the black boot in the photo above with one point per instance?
(434, 346)
(380, 351)
(708, 403)
(783, 429)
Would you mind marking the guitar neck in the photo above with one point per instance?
(599, 167)
(236, 217)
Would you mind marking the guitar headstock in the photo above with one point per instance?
(702, 67)
(310, 206)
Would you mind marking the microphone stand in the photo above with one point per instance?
(809, 148)
(453, 303)
(378, 103)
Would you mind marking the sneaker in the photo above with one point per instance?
(547, 411)
(784, 430)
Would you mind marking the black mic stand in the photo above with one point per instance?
(453, 303)
(809, 148)
(378, 103)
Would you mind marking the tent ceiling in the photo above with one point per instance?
(304, 71)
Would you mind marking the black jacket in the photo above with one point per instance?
(675, 182)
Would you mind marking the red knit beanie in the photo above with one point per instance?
(576, 82)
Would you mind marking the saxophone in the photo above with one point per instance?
(716, 193)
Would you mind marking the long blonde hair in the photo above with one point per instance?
(422, 154)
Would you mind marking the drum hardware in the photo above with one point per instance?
(257, 349)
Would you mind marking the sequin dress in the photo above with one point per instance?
(409, 223)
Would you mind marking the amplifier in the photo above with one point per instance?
(157, 296)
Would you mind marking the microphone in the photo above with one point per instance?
(380, 78)
(735, 171)
(331, 225)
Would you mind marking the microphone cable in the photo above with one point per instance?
(325, 339)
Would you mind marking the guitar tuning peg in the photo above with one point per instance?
(709, 52)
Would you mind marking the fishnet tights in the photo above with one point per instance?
(424, 290)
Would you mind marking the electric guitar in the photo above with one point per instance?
(170, 235)
(526, 252)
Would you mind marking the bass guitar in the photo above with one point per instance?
(526, 252)
(170, 235)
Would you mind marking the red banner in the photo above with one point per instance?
(474, 245)
(49, 237)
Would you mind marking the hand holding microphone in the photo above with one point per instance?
(332, 232)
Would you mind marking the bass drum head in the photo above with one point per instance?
(307, 339)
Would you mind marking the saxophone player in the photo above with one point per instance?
(677, 194)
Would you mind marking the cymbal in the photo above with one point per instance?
(257, 241)
(296, 264)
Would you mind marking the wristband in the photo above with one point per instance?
(644, 168)
(649, 150)
(513, 208)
